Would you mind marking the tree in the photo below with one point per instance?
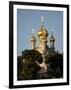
(55, 66)
(27, 66)
(32, 54)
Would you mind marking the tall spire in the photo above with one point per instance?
(42, 33)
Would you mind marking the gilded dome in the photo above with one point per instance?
(42, 32)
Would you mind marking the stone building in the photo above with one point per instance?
(43, 48)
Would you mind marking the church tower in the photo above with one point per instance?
(42, 34)
(33, 40)
(52, 40)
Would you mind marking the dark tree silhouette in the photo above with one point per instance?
(55, 66)
(32, 54)
(27, 66)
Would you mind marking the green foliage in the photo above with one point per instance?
(32, 54)
(29, 68)
(55, 66)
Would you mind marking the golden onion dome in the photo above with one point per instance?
(42, 32)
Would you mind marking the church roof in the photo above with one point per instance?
(42, 31)
(33, 38)
(52, 38)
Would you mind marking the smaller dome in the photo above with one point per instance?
(33, 38)
(52, 38)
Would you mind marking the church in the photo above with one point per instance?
(43, 48)
(39, 56)
(43, 39)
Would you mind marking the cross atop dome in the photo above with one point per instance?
(52, 32)
(42, 20)
(33, 30)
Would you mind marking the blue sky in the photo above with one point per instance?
(28, 19)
